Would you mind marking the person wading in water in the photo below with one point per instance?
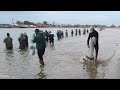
(94, 36)
(39, 39)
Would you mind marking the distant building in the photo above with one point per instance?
(113, 26)
(40, 25)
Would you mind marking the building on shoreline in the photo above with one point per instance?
(39, 25)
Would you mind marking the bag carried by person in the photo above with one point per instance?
(32, 47)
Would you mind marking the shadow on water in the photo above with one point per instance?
(9, 54)
(92, 67)
(23, 51)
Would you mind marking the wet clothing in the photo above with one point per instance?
(40, 53)
(8, 43)
(26, 40)
(22, 41)
(94, 34)
(39, 39)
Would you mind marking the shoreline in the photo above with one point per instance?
(61, 27)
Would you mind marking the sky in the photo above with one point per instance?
(62, 17)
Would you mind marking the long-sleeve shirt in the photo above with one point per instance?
(93, 34)
(39, 39)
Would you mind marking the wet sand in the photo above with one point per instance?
(64, 60)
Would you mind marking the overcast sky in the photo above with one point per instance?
(63, 17)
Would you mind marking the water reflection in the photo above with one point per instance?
(91, 69)
(9, 54)
(41, 74)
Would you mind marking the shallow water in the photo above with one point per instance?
(63, 61)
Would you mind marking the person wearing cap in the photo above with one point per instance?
(39, 39)
(94, 36)
(8, 42)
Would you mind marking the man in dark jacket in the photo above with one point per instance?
(95, 34)
(39, 39)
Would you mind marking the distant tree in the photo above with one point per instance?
(45, 22)
(29, 23)
(18, 22)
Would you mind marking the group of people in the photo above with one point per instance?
(23, 41)
(76, 32)
(49, 37)
(40, 38)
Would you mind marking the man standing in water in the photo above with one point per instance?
(94, 36)
(22, 41)
(8, 41)
(66, 33)
(25, 35)
(39, 39)
(76, 32)
(72, 33)
(79, 32)
(51, 39)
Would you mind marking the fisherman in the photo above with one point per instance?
(25, 35)
(8, 42)
(94, 36)
(76, 32)
(39, 39)
(51, 39)
(62, 34)
(58, 35)
(79, 32)
(72, 32)
(22, 41)
(84, 31)
(46, 36)
(66, 33)
(87, 31)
